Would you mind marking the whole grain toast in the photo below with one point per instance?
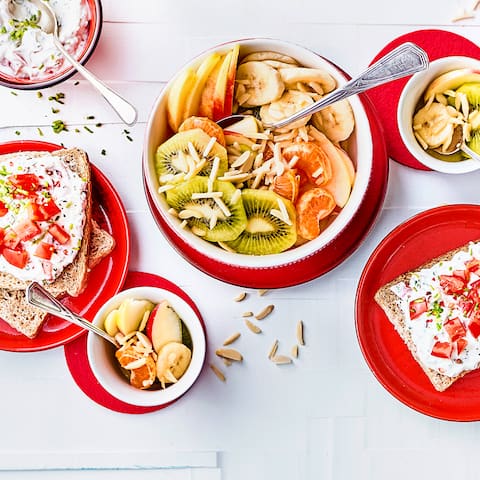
(19, 314)
(391, 305)
(73, 279)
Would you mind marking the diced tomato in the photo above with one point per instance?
(442, 349)
(59, 234)
(463, 274)
(455, 329)
(3, 209)
(16, 257)
(474, 291)
(461, 344)
(473, 265)
(452, 284)
(27, 182)
(34, 212)
(49, 209)
(474, 325)
(466, 305)
(44, 250)
(417, 307)
(27, 230)
(11, 239)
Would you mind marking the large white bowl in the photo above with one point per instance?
(409, 98)
(360, 150)
(101, 354)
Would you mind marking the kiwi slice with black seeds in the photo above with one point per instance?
(199, 211)
(174, 156)
(265, 233)
(472, 91)
(474, 142)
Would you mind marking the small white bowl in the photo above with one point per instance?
(101, 354)
(409, 98)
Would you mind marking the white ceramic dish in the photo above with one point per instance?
(410, 97)
(359, 148)
(104, 365)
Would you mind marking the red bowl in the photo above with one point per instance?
(94, 30)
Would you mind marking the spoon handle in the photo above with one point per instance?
(39, 297)
(124, 109)
(404, 60)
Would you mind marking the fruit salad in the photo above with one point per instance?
(449, 114)
(246, 188)
(155, 345)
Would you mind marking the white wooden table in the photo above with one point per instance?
(324, 418)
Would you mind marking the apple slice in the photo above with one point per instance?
(220, 91)
(202, 74)
(130, 314)
(110, 324)
(451, 80)
(339, 185)
(232, 73)
(348, 163)
(247, 126)
(178, 96)
(205, 108)
(243, 142)
(163, 326)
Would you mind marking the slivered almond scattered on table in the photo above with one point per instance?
(231, 338)
(229, 353)
(265, 312)
(252, 327)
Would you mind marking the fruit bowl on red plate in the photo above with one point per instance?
(80, 25)
(210, 91)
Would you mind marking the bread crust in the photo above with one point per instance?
(391, 305)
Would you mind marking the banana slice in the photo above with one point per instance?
(336, 121)
(264, 55)
(277, 64)
(433, 125)
(261, 84)
(289, 103)
(291, 76)
(173, 360)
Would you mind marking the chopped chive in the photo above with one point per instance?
(55, 110)
(76, 83)
(103, 152)
(14, 93)
(59, 126)
(39, 94)
(40, 132)
(129, 138)
(98, 125)
(87, 129)
(89, 117)
(17, 132)
(77, 130)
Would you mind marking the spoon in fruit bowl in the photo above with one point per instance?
(37, 296)
(49, 24)
(404, 60)
(458, 144)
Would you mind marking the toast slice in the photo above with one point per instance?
(27, 319)
(391, 304)
(73, 278)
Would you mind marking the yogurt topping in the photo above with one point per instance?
(441, 307)
(42, 208)
(26, 52)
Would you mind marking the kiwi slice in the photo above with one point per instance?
(474, 142)
(265, 233)
(199, 211)
(175, 155)
(472, 91)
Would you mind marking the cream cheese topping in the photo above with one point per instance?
(29, 53)
(60, 184)
(429, 327)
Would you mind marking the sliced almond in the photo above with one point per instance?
(241, 296)
(247, 314)
(229, 353)
(262, 292)
(300, 338)
(294, 351)
(226, 362)
(218, 373)
(273, 350)
(254, 328)
(265, 312)
(231, 338)
(136, 364)
(281, 359)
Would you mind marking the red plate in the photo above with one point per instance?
(437, 44)
(77, 360)
(319, 262)
(423, 237)
(105, 280)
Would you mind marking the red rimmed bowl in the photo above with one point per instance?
(360, 148)
(87, 46)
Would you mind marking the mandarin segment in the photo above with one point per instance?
(211, 128)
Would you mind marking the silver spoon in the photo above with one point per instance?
(39, 297)
(48, 23)
(404, 60)
(458, 144)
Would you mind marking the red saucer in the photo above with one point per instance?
(76, 351)
(437, 44)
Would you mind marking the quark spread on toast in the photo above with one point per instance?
(441, 307)
(26, 51)
(42, 216)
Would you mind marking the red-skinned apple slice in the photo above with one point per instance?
(205, 108)
(451, 80)
(221, 88)
(163, 326)
(234, 137)
(232, 72)
(246, 126)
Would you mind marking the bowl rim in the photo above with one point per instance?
(111, 379)
(362, 132)
(409, 97)
(97, 18)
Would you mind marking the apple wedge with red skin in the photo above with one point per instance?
(163, 326)
(232, 73)
(451, 81)
(221, 88)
